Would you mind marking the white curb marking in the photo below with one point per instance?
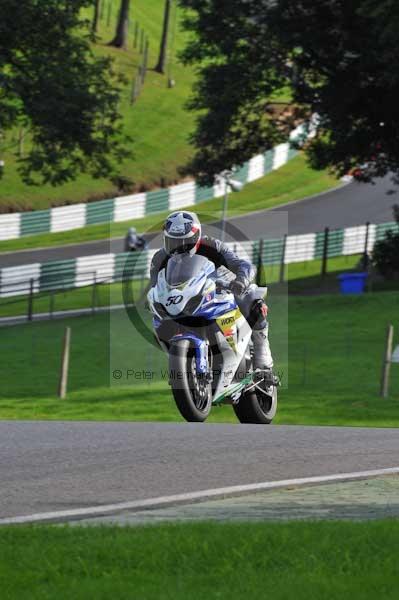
(184, 498)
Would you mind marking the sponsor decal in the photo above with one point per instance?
(227, 320)
(228, 327)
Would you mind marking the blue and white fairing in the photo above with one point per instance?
(187, 288)
(177, 285)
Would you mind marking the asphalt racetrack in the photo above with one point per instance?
(61, 466)
(350, 204)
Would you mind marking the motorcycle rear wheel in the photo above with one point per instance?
(193, 396)
(255, 407)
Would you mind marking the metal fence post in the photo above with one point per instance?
(325, 252)
(260, 263)
(135, 87)
(145, 61)
(94, 294)
(282, 263)
(366, 245)
(136, 34)
(142, 41)
(30, 299)
(63, 382)
(386, 365)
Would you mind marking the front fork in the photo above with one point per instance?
(200, 346)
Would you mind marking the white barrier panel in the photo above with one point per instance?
(354, 240)
(300, 248)
(182, 195)
(15, 281)
(129, 207)
(256, 167)
(219, 188)
(64, 218)
(280, 155)
(94, 269)
(10, 226)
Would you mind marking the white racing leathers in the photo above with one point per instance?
(255, 311)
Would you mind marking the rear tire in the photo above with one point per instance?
(255, 407)
(193, 396)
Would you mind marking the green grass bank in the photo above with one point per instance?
(337, 561)
(328, 350)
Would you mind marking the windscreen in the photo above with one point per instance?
(181, 268)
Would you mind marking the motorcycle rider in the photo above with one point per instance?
(134, 241)
(182, 234)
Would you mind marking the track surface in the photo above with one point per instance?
(352, 204)
(52, 466)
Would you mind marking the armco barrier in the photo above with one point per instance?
(87, 270)
(134, 206)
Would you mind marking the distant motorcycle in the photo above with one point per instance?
(198, 323)
(135, 242)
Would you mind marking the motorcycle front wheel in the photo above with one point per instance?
(192, 394)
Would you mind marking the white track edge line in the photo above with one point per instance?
(191, 496)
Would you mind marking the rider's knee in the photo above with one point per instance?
(258, 315)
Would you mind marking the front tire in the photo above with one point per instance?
(192, 395)
(255, 407)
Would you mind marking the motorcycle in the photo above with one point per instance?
(199, 324)
(135, 242)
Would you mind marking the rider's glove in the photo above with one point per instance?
(239, 286)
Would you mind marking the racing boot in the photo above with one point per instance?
(262, 358)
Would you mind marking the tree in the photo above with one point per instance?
(338, 58)
(51, 81)
(120, 39)
(161, 64)
(96, 15)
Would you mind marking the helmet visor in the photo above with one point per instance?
(179, 245)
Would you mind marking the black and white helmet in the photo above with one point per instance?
(182, 233)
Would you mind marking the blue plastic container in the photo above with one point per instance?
(352, 283)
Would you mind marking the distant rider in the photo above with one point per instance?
(182, 234)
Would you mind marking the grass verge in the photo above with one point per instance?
(337, 561)
(293, 181)
(328, 348)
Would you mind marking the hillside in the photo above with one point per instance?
(157, 122)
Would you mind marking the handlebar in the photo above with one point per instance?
(222, 284)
